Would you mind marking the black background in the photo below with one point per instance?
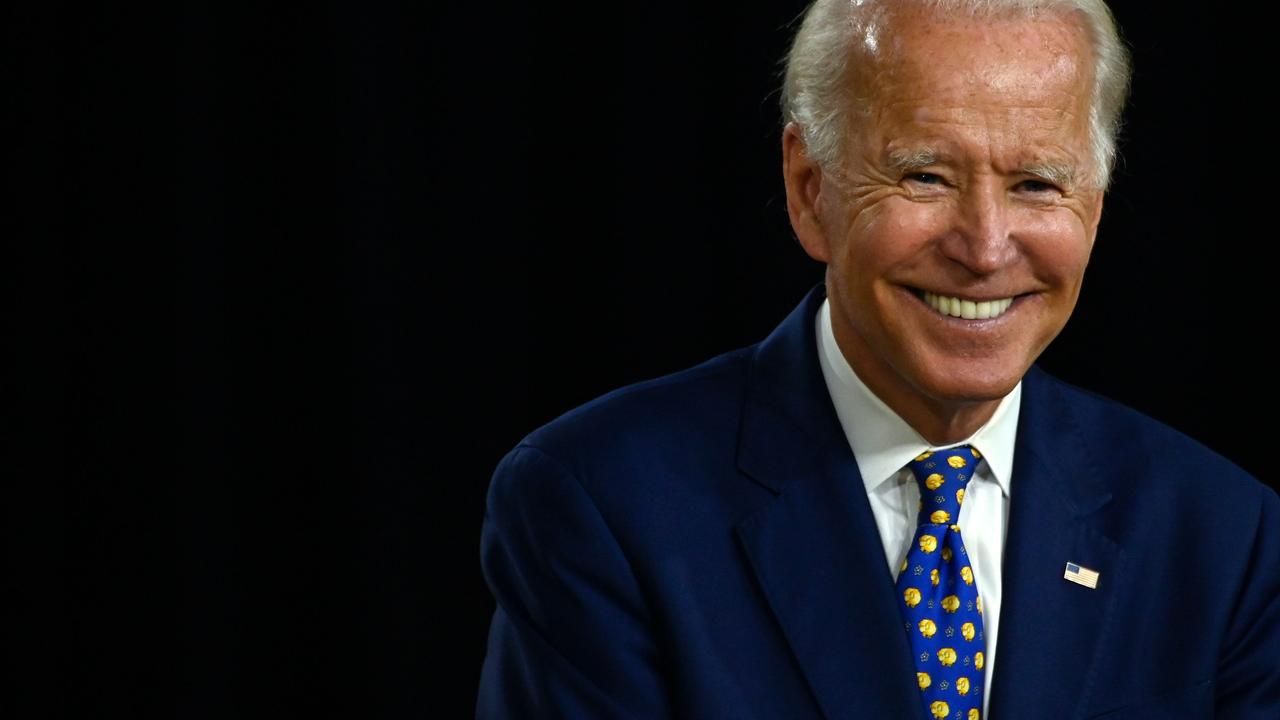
(286, 283)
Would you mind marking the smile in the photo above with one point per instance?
(961, 308)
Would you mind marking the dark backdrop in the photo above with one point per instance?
(287, 283)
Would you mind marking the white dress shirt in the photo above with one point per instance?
(883, 443)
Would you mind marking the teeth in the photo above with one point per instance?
(967, 309)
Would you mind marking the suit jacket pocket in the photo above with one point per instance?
(1185, 703)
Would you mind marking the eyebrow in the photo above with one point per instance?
(905, 161)
(1062, 174)
(913, 159)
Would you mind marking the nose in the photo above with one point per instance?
(981, 238)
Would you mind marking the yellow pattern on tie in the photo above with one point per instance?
(941, 609)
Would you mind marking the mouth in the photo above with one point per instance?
(971, 309)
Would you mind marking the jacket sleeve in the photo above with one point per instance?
(571, 635)
(1248, 682)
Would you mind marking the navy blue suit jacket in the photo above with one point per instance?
(700, 545)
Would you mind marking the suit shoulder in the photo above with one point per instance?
(701, 399)
(1154, 451)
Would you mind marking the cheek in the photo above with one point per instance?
(1058, 247)
(894, 232)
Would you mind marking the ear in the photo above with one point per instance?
(803, 179)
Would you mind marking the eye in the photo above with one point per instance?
(1037, 186)
(925, 178)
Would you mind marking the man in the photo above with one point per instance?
(749, 538)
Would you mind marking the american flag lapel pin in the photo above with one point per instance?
(1081, 576)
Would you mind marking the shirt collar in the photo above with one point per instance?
(884, 443)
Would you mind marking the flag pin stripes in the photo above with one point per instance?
(1081, 575)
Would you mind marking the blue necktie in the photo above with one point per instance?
(941, 610)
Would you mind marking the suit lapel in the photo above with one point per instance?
(1049, 627)
(815, 549)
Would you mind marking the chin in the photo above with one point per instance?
(972, 385)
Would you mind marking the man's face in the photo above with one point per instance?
(971, 178)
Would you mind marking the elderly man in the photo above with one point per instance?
(885, 509)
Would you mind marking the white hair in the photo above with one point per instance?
(817, 97)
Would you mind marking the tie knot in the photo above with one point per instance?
(942, 476)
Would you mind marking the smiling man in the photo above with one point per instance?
(885, 509)
(961, 209)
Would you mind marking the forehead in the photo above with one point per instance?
(1017, 77)
(965, 54)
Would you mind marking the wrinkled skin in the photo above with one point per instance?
(944, 188)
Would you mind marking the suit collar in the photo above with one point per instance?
(1050, 628)
(817, 553)
(1050, 431)
(787, 404)
(815, 549)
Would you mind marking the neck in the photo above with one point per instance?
(938, 422)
